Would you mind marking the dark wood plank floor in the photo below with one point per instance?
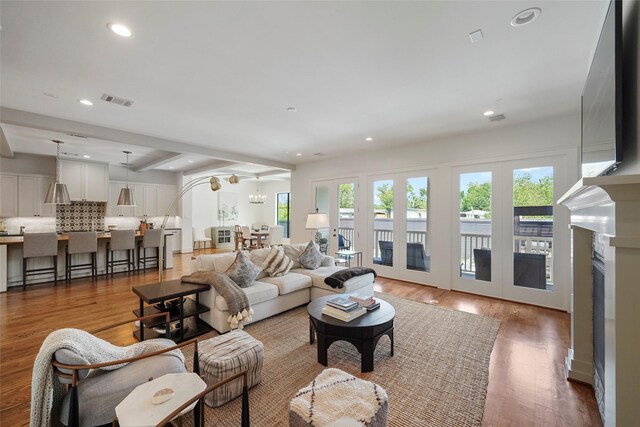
(526, 381)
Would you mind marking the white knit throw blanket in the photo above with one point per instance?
(47, 392)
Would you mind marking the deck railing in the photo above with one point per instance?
(468, 242)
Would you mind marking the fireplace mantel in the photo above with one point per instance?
(608, 206)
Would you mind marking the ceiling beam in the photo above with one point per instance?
(209, 167)
(271, 173)
(159, 162)
(55, 124)
(5, 148)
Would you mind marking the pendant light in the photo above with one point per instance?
(257, 197)
(126, 197)
(57, 193)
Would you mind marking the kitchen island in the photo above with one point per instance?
(11, 258)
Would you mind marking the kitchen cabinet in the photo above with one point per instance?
(9, 199)
(150, 200)
(165, 196)
(27, 196)
(45, 209)
(112, 205)
(23, 196)
(85, 181)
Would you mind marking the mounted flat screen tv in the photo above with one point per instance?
(602, 100)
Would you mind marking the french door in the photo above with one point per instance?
(338, 199)
(508, 241)
(399, 223)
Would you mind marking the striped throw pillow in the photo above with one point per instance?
(276, 263)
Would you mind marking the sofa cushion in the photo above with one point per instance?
(351, 285)
(221, 262)
(311, 258)
(257, 257)
(103, 390)
(259, 292)
(290, 282)
(294, 251)
(277, 263)
(317, 276)
(243, 271)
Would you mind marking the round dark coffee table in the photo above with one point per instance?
(363, 332)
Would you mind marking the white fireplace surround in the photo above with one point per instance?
(610, 207)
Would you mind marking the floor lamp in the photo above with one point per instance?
(316, 221)
(215, 186)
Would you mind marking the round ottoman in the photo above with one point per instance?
(226, 355)
(334, 396)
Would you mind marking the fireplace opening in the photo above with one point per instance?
(598, 330)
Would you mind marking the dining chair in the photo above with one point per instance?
(200, 237)
(276, 233)
(246, 234)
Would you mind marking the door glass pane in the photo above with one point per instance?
(322, 206)
(475, 226)
(383, 222)
(346, 216)
(533, 228)
(418, 253)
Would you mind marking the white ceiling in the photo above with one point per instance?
(221, 74)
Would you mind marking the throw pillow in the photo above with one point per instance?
(277, 263)
(311, 257)
(243, 271)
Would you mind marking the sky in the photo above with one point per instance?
(482, 177)
(417, 184)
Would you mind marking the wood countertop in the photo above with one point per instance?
(10, 240)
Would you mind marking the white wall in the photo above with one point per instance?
(559, 135)
(200, 206)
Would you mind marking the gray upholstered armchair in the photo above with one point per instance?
(93, 394)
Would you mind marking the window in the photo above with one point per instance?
(383, 222)
(418, 253)
(475, 226)
(283, 209)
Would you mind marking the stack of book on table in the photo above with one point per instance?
(342, 308)
(367, 302)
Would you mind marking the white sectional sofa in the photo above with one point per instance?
(272, 295)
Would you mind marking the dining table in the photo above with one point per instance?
(260, 235)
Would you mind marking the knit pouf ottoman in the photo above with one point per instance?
(226, 355)
(334, 397)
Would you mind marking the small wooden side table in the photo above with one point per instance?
(348, 255)
(136, 410)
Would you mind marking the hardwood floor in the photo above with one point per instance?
(526, 380)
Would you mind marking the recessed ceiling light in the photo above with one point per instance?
(526, 16)
(86, 102)
(299, 154)
(292, 109)
(171, 167)
(368, 139)
(86, 156)
(189, 161)
(488, 113)
(120, 30)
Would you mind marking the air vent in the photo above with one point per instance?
(475, 36)
(497, 118)
(75, 135)
(117, 100)
(318, 154)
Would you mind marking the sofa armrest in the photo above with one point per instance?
(328, 261)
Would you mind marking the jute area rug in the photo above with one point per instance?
(437, 377)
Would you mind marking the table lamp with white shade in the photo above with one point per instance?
(316, 221)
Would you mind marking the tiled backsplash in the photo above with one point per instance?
(31, 224)
(80, 216)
